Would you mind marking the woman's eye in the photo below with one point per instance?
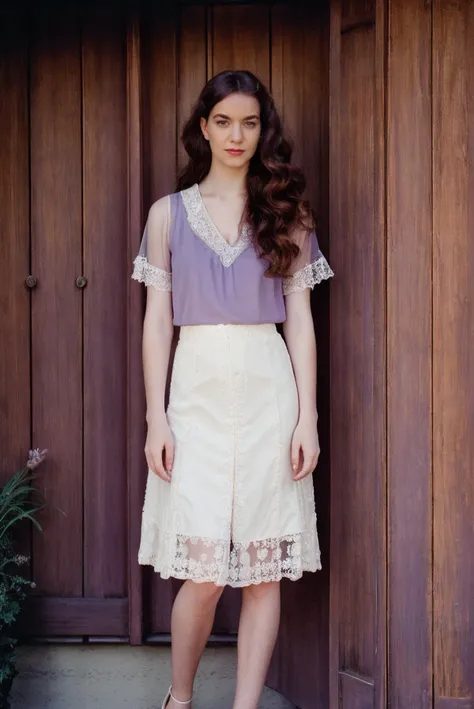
(251, 124)
(221, 123)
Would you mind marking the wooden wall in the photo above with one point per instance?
(380, 104)
(452, 266)
(402, 331)
(357, 626)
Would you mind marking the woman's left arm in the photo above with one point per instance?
(298, 330)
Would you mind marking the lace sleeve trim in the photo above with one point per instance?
(150, 275)
(308, 276)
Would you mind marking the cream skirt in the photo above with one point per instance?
(232, 513)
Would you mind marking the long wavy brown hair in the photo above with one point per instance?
(274, 205)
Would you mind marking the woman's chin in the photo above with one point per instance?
(235, 161)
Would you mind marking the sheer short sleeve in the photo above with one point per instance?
(310, 266)
(152, 265)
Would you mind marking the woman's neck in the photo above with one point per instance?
(224, 180)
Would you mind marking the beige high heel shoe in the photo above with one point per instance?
(169, 696)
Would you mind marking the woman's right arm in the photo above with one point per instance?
(152, 266)
(156, 346)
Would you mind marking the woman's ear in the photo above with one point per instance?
(203, 123)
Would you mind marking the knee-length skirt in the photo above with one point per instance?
(232, 513)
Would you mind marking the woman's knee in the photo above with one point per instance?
(261, 590)
(206, 591)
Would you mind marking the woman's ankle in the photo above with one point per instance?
(175, 705)
(181, 696)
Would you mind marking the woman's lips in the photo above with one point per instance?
(234, 151)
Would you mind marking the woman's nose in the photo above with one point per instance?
(236, 133)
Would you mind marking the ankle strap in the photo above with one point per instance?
(188, 701)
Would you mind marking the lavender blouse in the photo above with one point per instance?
(213, 282)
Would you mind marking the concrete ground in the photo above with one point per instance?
(121, 677)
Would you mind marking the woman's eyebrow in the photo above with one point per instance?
(222, 115)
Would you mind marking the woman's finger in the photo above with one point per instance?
(295, 455)
(309, 463)
(169, 456)
(158, 467)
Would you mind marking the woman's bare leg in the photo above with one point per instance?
(258, 630)
(192, 618)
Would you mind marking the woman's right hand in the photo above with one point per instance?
(159, 448)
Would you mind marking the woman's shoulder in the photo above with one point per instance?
(160, 208)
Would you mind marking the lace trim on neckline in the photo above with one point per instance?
(203, 226)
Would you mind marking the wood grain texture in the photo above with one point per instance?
(15, 248)
(356, 692)
(240, 39)
(356, 13)
(357, 363)
(409, 353)
(453, 352)
(104, 243)
(192, 66)
(56, 260)
(335, 214)
(300, 77)
(453, 703)
(358, 374)
(381, 666)
(15, 296)
(136, 409)
(54, 616)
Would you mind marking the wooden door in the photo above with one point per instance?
(99, 100)
(65, 371)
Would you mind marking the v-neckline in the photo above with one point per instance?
(212, 222)
(203, 226)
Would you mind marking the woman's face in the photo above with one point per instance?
(233, 129)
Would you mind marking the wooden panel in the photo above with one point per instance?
(300, 43)
(56, 257)
(357, 370)
(159, 101)
(240, 39)
(76, 616)
(356, 692)
(300, 40)
(14, 264)
(192, 66)
(358, 376)
(356, 13)
(409, 352)
(135, 297)
(453, 352)
(335, 185)
(381, 660)
(105, 348)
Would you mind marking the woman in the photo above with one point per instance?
(229, 497)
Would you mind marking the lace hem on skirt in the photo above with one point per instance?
(234, 563)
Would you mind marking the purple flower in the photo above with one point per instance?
(35, 457)
(20, 559)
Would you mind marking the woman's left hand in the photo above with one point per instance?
(305, 447)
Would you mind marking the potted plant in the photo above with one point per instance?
(16, 505)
